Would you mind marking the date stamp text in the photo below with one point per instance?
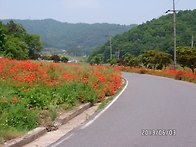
(158, 132)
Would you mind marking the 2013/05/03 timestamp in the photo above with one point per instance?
(158, 132)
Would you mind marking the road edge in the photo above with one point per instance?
(96, 116)
(61, 120)
(40, 131)
(108, 105)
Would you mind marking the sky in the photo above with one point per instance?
(91, 11)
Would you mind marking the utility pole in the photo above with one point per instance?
(174, 25)
(174, 12)
(110, 48)
(192, 42)
(118, 54)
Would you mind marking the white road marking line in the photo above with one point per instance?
(97, 116)
(61, 141)
(100, 113)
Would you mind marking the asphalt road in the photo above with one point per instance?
(151, 112)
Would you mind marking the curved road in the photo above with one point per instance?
(151, 112)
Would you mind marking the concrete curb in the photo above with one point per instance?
(29, 137)
(63, 119)
(40, 131)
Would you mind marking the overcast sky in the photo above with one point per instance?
(91, 11)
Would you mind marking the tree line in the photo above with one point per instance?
(152, 59)
(16, 43)
(151, 43)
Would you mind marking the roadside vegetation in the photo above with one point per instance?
(110, 98)
(180, 74)
(31, 91)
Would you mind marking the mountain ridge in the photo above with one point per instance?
(80, 38)
(156, 34)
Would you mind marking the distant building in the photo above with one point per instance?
(72, 61)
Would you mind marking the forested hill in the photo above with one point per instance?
(76, 38)
(154, 34)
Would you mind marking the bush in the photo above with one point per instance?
(64, 59)
(46, 57)
(55, 58)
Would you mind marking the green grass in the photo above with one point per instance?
(8, 133)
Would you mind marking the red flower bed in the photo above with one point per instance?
(176, 74)
(28, 88)
(103, 79)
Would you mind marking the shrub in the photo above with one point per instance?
(55, 58)
(64, 59)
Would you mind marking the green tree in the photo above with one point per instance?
(113, 61)
(96, 60)
(186, 57)
(2, 39)
(18, 44)
(34, 45)
(15, 48)
(64, 59)
(16, 30)
(131, 60)
(155, 59)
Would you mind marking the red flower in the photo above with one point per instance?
(14, 99)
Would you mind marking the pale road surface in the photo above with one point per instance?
(149, 102)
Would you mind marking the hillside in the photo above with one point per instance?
(77, 38)
(154, 34)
